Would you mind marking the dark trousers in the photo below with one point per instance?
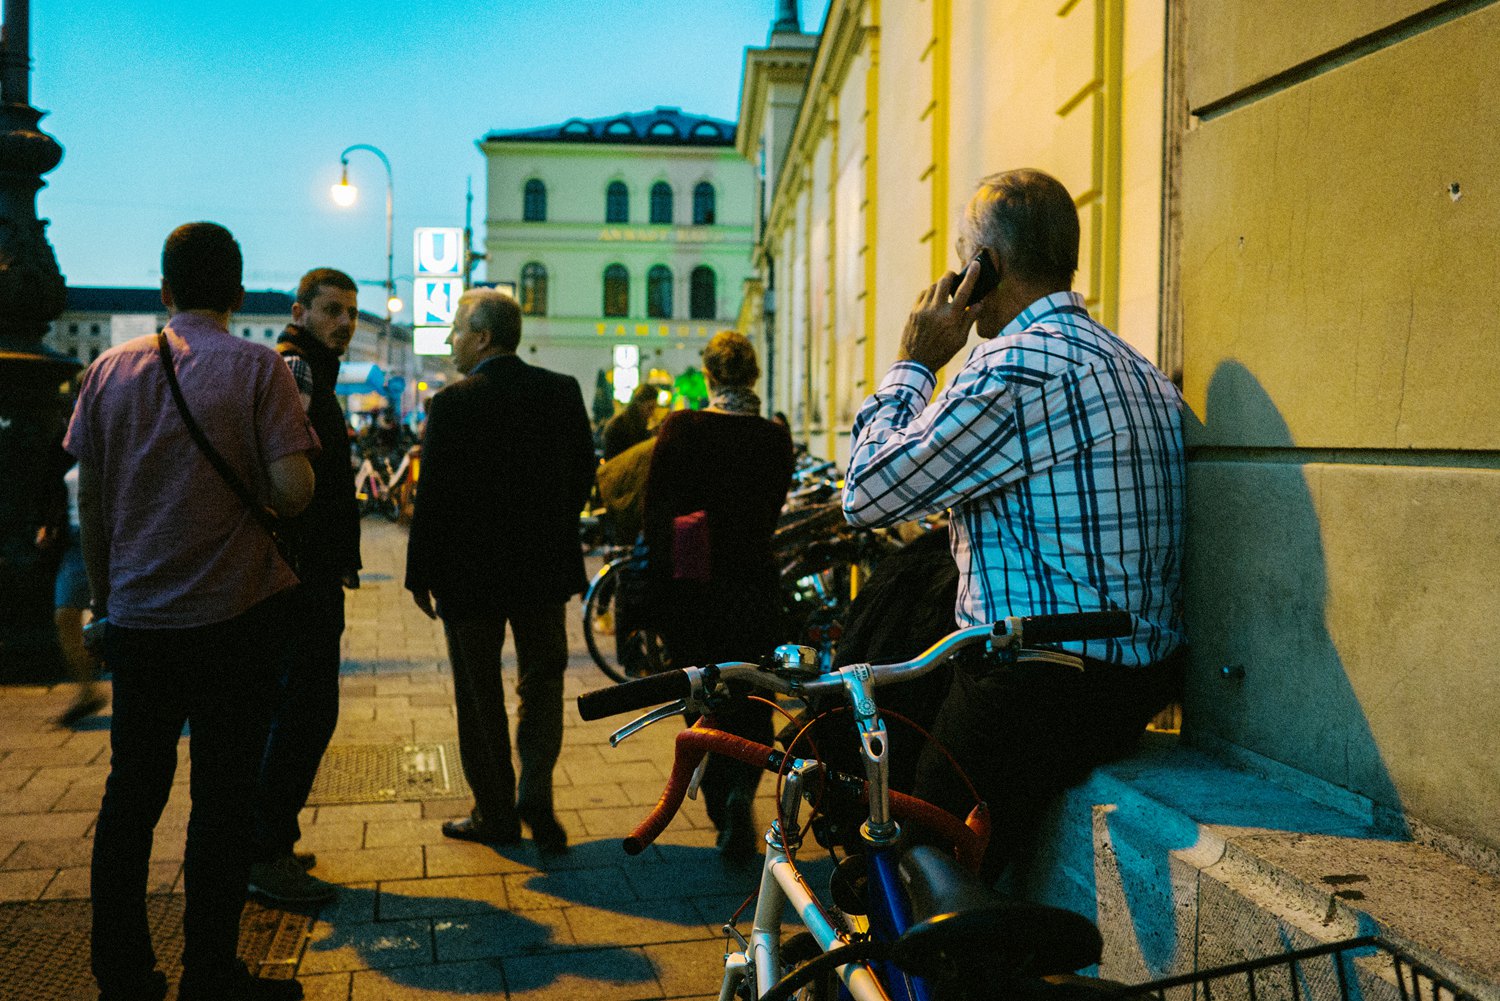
(1026, 732)
(221, 681)
(474, 647)
(307, 711)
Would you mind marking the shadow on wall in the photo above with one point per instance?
(1255, 587)
(1265, 674)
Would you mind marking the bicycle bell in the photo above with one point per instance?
(797, 661)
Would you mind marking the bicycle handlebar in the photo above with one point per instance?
(967, 838)
(689, 683)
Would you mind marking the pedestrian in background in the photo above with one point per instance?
(507, 464)
(325, 538)
(632, 425)
(70, 607)
(718, 480)
(198, 602)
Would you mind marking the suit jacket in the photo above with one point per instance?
(507, 465)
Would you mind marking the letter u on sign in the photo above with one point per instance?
(439, 251)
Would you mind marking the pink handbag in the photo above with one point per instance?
(690, 555)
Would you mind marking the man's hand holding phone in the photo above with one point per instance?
(940, 320)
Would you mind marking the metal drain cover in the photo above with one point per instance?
(44, 946)
(387, 773)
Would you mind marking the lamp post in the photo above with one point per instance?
(344, 194)
(33, 412)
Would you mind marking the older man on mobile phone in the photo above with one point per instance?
(1057, 450)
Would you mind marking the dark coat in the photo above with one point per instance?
(507, 465)
(325, 536)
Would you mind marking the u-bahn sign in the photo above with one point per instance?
(438, 254)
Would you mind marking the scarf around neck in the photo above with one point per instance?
(735, 400)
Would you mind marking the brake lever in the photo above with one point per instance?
(678, 708)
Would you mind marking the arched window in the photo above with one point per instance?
(534, 206)
(703, 204)
(534, 289)
(661, 204)
(659, 292)
(701, 304)
(617, 202)
(616, 290)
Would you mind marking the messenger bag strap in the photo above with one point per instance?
(267, 519)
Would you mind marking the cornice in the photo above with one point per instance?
(844, 33)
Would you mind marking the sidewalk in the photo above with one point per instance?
(420, 916)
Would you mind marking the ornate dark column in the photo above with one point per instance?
(33, 405)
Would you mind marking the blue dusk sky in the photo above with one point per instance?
(236, 111)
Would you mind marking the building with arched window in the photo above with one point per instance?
(661, 204)
(629, 229)
(534, 289)
(659, 292)
(534, 208)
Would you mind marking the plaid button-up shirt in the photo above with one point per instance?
(1058, 450)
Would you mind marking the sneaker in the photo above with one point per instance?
(237, 985)
(283, 881)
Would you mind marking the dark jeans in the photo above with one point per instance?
(221, 681)
(307, 712)
(474, 646)
(1026, 732)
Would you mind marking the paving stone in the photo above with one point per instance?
(325, 987)
(37, 796)
(41, 826)
(50, 853)
(583, 797)
(640, 922)
(688, 967)
(345, 836)
(14, 778)
(583, 773)
(443, 897)
(601, 975)
(443, 982)
(464, 858)
(370, 864)
(498, 933)
(24, 884)
(378, 945)
(344, 813)
(73, 883)
(603, 886)
(355, 904)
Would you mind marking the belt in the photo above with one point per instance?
(1054, 658)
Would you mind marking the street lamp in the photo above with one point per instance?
(345, 194)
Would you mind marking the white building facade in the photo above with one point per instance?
(626, 238)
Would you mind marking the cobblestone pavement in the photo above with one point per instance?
(419, 916)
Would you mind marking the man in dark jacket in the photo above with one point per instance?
(326, 540)
(507, 463)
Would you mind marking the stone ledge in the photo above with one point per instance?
(1189, 863)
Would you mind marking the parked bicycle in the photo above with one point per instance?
(912, 922)
(905, 922)
(383, 487)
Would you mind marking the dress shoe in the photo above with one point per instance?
(283, 881)
(548, 835)
(469, 829)
(236, 984)
(151, 988)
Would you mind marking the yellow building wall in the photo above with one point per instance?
(906, 114)
(1339, 219)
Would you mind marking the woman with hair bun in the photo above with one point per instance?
(719, 478)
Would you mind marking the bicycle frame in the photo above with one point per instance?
(781, 883)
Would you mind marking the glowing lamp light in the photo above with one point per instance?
(394, 304)
(343, 192)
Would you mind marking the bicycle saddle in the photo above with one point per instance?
(961, 925)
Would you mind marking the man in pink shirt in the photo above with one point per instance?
(195, 593)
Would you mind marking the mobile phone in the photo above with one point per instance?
(986, 280)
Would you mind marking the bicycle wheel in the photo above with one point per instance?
(599, 619)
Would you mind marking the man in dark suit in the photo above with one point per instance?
(507, 464)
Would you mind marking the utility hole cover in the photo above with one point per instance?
(388, 773)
